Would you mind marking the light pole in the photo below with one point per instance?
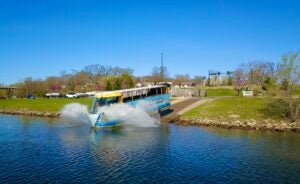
(162, 66)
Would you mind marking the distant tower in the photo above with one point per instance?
(162, 66)
(209, 77)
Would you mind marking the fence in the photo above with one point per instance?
(187, 92)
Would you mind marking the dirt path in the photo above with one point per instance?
(172, 114)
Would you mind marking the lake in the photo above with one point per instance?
(39, 150)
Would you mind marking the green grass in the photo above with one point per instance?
(42, 105)
(245, 108)
(220, 92)
(297, 91)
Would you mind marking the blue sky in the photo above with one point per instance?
(42, 38)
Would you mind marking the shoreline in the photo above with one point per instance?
(267, 124)
(28, 112)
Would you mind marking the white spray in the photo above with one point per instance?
(129, 115)
(75, 112)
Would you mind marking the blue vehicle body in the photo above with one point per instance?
(100, 123)
(160, 103)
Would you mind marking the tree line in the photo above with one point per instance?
(281, 79)
(90, 78)
(258, 75)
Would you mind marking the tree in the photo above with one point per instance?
(289, 75)
(157, 76)
(108, 85)
(256, 72)
(31, 87)
(179, 78)
(53, 84)
(9, 93)
(199, 80)
(127, 80)
(3, 94)
(117, 83)
(240, 80)
(289, 71)
(97, 71)
(229, 81)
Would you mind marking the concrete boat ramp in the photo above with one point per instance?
(181, 106)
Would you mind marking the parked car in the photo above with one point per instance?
(90, 94)
(80, 95)
(30, 97)
(75, 95)
(71, 95)
(52, 95)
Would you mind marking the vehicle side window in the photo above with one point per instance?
(113, 100)
(101, 102)
(108, 101)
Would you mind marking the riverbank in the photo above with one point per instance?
(233, 112)
(251, 124)
(39, 107)
(29, 112)
(237, 112)
(42, 104)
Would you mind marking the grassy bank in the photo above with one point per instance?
(41, 105)
(297, 91)
(228, 108)
(211, 92)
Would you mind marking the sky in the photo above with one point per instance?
(43, 38)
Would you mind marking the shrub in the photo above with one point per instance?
(283, 108)
(2, 94)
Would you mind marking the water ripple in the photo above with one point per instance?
(38, 151)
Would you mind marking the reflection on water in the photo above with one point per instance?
(268, 141)
(50, 150)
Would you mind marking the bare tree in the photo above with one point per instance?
(240, 79)
(179, 78)
(289, 77)
(156, 74)
(199, 79)
(258, 71)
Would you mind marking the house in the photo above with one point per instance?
(187, 84)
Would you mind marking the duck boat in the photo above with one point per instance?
(157, 95)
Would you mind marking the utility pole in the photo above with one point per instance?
(208, 82)
(212, 73)
(162, 66)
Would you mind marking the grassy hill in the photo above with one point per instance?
(42, 105)
(227, 108)
(220, 92)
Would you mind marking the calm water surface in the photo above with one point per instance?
(36, 150)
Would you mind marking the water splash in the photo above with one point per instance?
(75, 113)
(128, 115)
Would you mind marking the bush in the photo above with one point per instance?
(2, 94)
(283, 108)
(9, 93)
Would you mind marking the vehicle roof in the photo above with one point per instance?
(52, 93)
(107, 94)
(141, 88)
